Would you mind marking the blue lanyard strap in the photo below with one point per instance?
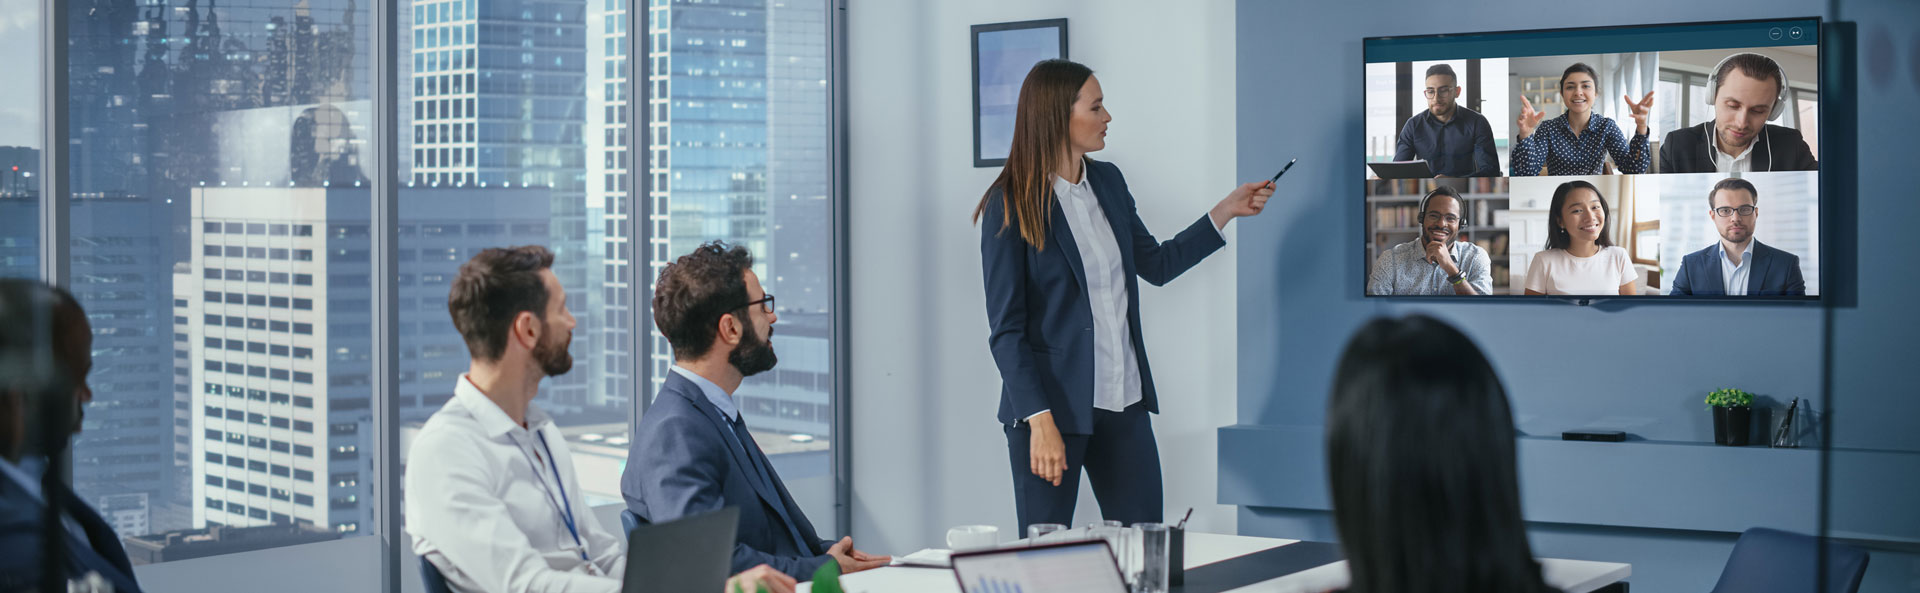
(566, 504)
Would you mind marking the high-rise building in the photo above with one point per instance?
(499, 100)
(277, 335)
(737, 135)
(617, 207)
(156, 87)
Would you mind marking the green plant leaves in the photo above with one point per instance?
(1729, 398)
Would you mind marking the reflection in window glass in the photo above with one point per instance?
(199, 132)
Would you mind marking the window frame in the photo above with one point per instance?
(383, 171)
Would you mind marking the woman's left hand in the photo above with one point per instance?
(1247, 200)
(1639, 111)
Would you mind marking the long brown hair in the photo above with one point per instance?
(1040, 140)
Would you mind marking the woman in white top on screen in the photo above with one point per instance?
(1580, 257)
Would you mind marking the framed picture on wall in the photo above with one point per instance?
(1002, 55)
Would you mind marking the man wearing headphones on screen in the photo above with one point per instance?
(1436, 262)
(1747, 91)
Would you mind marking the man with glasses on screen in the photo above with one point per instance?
(1455, 141)
(1738, 264)
(492, 500)
(693, 452)
(1747, 90)
(1435, 262)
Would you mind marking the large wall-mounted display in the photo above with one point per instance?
(1667, 161)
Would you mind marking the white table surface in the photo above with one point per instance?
(1570, 576)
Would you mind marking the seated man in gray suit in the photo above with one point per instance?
(692, 452)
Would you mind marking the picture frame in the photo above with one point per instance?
(1003, 53)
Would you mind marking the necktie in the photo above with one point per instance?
(759, 462)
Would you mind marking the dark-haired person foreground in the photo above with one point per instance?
(1062, 250)
(1580, 257)
(1454, 140)
(1747, 90)
(1738, 264)
(45, 354)
(1421, 465)
(692, 452)
(492, 498)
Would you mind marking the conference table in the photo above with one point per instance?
(1218, 563)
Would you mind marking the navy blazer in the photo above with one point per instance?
(21, 540)
(1038, 309)
(1774, 273)
(685, 461)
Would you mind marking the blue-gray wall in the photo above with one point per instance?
(1670, 505)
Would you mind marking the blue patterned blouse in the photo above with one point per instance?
(1553, 145)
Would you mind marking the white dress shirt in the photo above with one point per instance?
(484, 505)
(1736, 275)
(1733, 164)
(1116, 371)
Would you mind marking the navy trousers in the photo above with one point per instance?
(1122, 462)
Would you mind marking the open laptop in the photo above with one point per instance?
(691, 554)
(1068, 567)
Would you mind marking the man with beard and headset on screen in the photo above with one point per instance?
(1436, 262)
(692, 452)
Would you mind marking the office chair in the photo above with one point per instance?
(1773, 561)
(431, 579)
(630, 521)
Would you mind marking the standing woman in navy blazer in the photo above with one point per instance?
(1060, 248)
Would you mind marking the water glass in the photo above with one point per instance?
(1038, 533)
(1154, 556)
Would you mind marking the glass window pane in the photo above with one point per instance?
(519, 158)
(744, 138)
(1666, 104)
(221, 125)
(1698, 110)
(1808, 112)
(20, 139)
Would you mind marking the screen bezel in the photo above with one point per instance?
(1825, 79)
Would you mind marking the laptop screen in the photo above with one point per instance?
(1078, 567)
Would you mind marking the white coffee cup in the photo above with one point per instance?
(973, 537)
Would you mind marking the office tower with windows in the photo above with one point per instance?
(278, 331)
(617, 383)
(737, 150)
(498, 101)
(154, 87)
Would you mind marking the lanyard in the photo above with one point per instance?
(565, 504)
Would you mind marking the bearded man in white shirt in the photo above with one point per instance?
(492, 500)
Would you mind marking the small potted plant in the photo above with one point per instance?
(1732, 416)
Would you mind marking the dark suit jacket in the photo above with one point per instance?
(685, 461)
(1774, 272)
(21, 541)
(1778, 148)
(1037, 304)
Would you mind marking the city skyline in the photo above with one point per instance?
(255, 115)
